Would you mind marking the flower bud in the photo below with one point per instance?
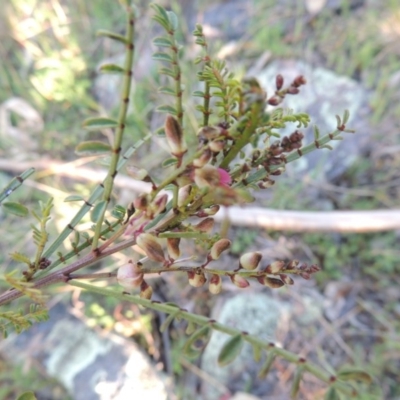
(130, 275)
(299, 80)
(216, 145)
(174, 136)
(293, 90)
(274, 101)
(215, 285)
(292, 264)
(208, 211)
(279, 82)
(239, 281)
(287, 280)
(137, 173)
(250, 261)
(207, 176)
(146, 291)
(141, 203)
(273, 283)
(266, 183)
(151, 247)
(275, 267)
(203, 159)
(305, 275)
(205, 226)
(218, 247)
(209, 132)
(184, 194)
(173, 247)
(158, 205)
(196, 278)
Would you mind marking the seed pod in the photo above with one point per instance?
(239, 281)
(203, 159)
(216, 145)
(287, 280)
(250, 260)
(271, 282)
(205, 226)
(173, 247)
(215, 285)
(174, 136)
(218, 247)
(275, 267)
(146, 291)
(137, 173)
(130, 275)
(184, 194)
(196, 278)
(151, 247)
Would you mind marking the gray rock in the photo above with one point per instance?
(91, 366)
(255, 313)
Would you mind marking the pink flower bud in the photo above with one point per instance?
(250, 261)
(239, 281)
(219, 247)
(215, 285)
(279, 82)
(130, 275)
(174, 136)
(151, 247)
(196, 278)
(141, 203)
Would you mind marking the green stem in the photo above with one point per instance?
(201, 320)
(15, 183)
(126, 89)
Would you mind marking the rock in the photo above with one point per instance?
(255, 313)
(91, 366)
(325, 95)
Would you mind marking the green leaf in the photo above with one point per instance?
(73, 197)
(161, 16)
(198, 93)
(98, 210)
(27, 396)
(168, 72)
(166, 109)
(267, 365)
(167, 90)
(257, 351)
(198, 340)
(92, 148)
(331, 394)
(95, 124)
(230, 350)
(162, 42)
(168, 162)
(173, 20)
(354, 373)
(118, 212)
(15, 208)
(21, 258)
(162, 57)
(112, 35)
(111, 69)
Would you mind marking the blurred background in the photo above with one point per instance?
(349, 52)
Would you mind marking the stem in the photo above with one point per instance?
(126, 89)
(202, 321)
